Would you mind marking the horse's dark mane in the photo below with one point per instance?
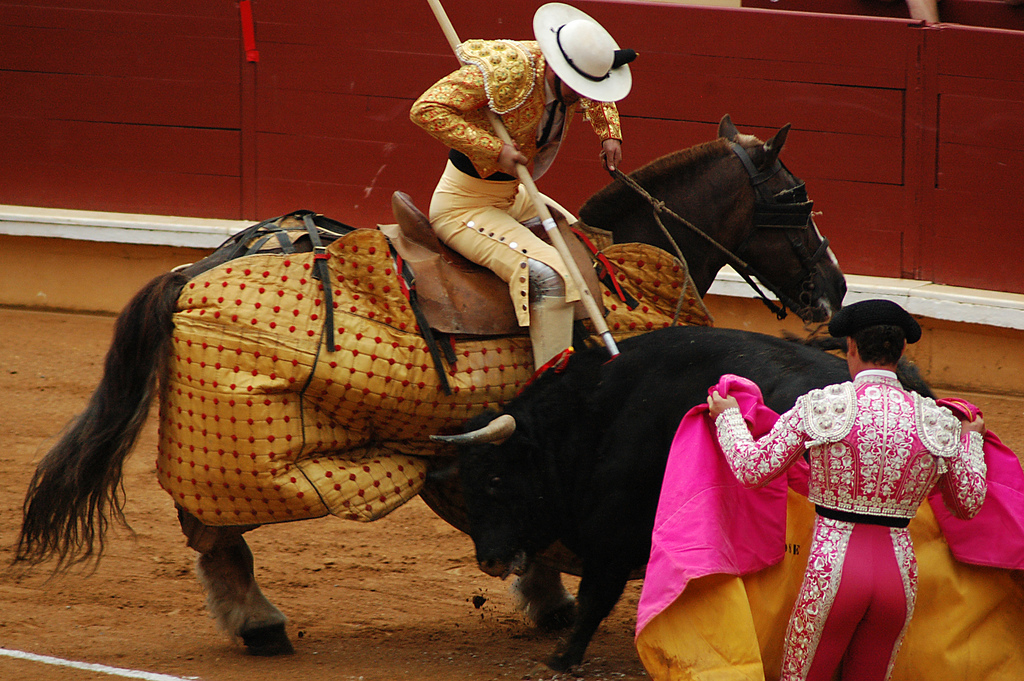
(616, 199)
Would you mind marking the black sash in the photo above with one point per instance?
(462, 162)
(849, 517)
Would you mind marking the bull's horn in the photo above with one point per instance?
(495, 432)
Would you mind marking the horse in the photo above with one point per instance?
(299, 382)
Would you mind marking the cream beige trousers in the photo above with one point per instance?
(481, 219)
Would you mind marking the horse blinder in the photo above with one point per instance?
(788, 209)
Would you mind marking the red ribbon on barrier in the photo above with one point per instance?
(248, 31)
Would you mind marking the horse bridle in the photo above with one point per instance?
(788, 209)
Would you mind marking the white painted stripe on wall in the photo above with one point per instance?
(923, 298)
(124, 228)
(88, 666)
(950, 303)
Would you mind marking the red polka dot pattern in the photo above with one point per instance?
(655, 278)
(261, 424)
(256, 427)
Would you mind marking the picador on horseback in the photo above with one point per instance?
(479, 205)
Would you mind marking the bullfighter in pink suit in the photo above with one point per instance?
(875, 452)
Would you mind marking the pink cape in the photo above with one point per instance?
(707, 523)
(994, 537)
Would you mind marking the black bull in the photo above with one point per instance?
(585, 461)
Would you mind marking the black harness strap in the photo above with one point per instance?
(320, 273)
(756, 178)
(788, 209)
(432, 345)
(273, 230)
(235, 245)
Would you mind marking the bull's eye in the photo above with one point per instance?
(494, 485)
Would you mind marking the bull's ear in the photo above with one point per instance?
(726, 128)
(773, 147)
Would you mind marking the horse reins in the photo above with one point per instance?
(766, 208)
(737, 263)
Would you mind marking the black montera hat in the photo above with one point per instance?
(849, 320)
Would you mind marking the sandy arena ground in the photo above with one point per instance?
(401, 598)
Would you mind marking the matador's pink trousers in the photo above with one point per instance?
(871, 605)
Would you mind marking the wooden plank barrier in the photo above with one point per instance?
(909, 136)
(987, 13)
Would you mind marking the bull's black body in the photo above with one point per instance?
(586, 461)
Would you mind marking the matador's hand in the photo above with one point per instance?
(977, 425)
(717, 404)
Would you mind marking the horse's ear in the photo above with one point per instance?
(773, 146)
(726, 129)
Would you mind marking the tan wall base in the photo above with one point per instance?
(83, 276)
(88, 276)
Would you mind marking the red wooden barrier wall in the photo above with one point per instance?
(120, 105)
(910, 138)
(987, 13)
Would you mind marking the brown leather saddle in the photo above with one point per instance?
(455, 294)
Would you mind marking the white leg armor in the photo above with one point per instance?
(550, 316)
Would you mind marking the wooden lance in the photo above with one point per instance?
(542, 209)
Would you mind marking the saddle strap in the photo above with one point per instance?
(605, 270)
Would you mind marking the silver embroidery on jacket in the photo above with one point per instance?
(882, 465)
(938, 429)
(829, 413)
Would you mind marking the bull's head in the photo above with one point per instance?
(502, 482)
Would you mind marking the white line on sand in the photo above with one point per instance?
(101, 668)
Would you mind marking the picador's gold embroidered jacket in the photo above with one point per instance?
(508, 76)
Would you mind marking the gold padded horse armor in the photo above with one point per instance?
(261, 424)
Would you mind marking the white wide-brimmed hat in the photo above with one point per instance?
(582, 53)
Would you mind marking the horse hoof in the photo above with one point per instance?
(267, 641)
(560, 618)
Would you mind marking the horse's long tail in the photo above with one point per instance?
(76, 491)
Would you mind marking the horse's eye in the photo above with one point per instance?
(494, 485)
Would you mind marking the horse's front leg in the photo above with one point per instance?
(233, 598)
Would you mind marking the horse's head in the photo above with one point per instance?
(728, 201)
(783, 246)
